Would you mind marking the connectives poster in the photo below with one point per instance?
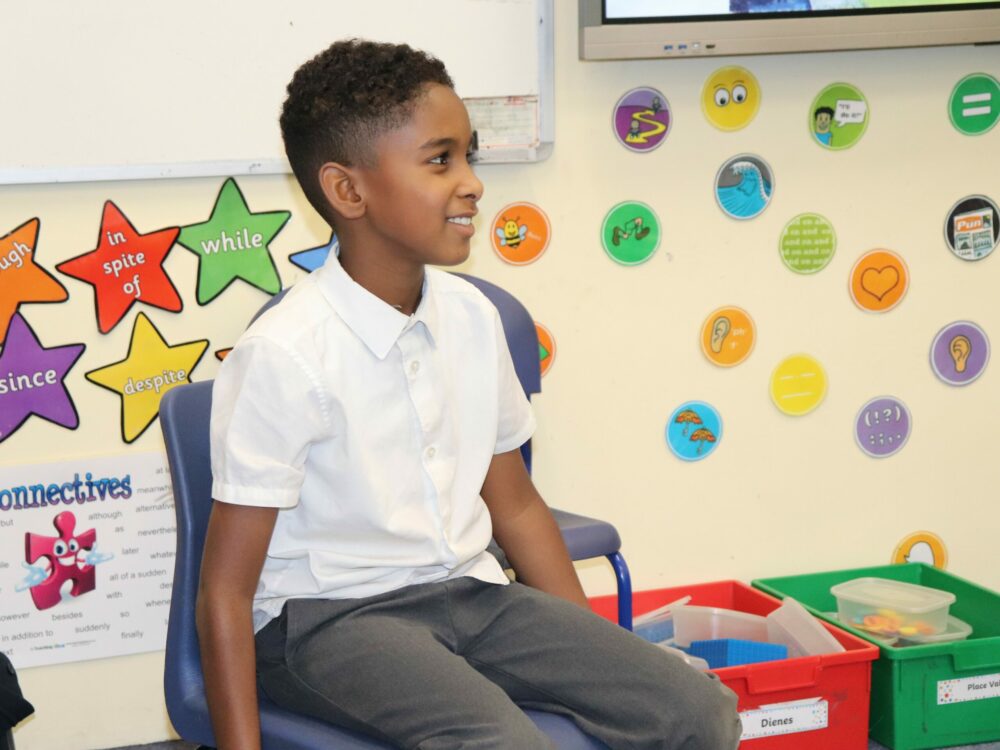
(87, 558)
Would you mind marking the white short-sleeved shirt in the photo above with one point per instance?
(371, 431)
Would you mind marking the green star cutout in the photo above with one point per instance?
(233, 244)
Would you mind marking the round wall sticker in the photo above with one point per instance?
(960, 353)
(882, 426)
(807, 243)
(630, 233)
(971, 229)
(642, 119)
(730, 98)
(838, 116)
(546, 347)
(974, 106)
(921, 546)
(744, 186)
(727, 336)
(798, 385)
(694, 430)
(879, 281)
(520, 233)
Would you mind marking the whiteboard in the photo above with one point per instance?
(123, 89)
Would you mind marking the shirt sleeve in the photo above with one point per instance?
(515, 420)
(267, 409)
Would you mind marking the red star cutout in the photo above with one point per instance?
(21, 279)
(126, 267)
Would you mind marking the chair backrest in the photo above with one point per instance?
(518, 328)
(185, 413)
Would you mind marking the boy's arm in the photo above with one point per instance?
(235, 547)
(526, 531)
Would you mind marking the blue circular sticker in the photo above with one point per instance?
(694, 430)
(882, 426)
(744, 186)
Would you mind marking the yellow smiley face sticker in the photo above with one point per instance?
(730, 98)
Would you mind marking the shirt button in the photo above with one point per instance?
(431, 452)
(415, 366)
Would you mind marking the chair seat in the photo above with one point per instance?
(587, 537)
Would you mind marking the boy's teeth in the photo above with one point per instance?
(460, 220)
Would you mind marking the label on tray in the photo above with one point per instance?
(785, 718)
(968, 689)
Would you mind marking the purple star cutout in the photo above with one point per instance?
(31, 380)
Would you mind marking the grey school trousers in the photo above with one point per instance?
(444, 666)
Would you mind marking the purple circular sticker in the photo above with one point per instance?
(960, 352)
(882, 427)
(642, 119)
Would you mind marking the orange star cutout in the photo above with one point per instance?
(21, 279)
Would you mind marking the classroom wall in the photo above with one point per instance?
(779, 494)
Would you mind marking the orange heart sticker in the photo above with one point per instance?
(879, 280)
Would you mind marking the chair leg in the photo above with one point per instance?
(624, 589)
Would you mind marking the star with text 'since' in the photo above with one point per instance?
(150, 369)
(31, 380)
(233, 244)
(21, 279)
(126, 267)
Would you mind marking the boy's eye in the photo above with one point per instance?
(440, 159)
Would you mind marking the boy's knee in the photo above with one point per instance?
(489, 736)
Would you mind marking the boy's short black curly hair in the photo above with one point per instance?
(341, 100)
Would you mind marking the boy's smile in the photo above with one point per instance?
(420, 195)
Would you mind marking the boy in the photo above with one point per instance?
(365, 438)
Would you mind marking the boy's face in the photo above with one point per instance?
(421, 194)
(823, 122)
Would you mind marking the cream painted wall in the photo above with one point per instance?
(780, 495)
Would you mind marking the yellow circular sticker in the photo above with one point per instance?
(798, 385)
(520, 233)
(730, 98)
(921, 546)
(879, 281)
(727, 336)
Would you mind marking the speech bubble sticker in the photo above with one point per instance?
(838, 116)
(960, 353)
(807, 243)
(972, 227)
(882, 426)
(921, 547)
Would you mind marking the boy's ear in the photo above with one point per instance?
(340, 190)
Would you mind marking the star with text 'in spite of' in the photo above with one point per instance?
(31, 380)
(151, 368)
(21, 279)
(233, 244)
(126, 267)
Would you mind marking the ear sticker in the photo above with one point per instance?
(960, 353)
(32, 380)
(150, 369)
(21, 279)
(727, 336)
(233, 244)
(125, 268)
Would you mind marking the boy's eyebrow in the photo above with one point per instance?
(448, 142)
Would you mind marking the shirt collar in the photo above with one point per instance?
(377, 323)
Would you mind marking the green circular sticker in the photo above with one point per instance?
(630, 233)
(838, 116)
(974, 106)
(807, 243)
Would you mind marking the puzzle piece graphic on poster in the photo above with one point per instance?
(21, 278)
(150, 369)
(32, 380)
(311, 259)
(234, 244)
(125, 268)
(64, 558)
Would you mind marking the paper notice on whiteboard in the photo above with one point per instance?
(785, 718)
(86, 558)
(504, 121)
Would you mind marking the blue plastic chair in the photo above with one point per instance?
(184, 417)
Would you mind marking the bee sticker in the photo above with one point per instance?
(521, 233)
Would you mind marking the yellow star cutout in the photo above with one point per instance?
(151, 368)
